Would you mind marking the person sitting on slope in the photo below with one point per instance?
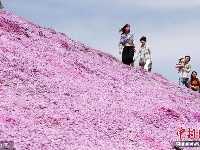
(194, 81)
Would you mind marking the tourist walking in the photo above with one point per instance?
(184, 70)
(128, 43)
(145, 54)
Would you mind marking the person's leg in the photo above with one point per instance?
(125, 56)
(126, 61)
(181, 81)
(132, 64)
(131, 54)
(146, 66)
(187, 82)
(150, 67)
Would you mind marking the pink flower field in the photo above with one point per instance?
(58, 94)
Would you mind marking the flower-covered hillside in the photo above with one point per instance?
(58, 94)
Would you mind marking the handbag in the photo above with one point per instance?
(142, 62)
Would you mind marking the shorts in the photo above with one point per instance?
(127, 55)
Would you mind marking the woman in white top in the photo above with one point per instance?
(145, 52)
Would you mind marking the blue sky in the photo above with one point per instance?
(172, 27)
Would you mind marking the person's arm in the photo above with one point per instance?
(150, 53)
(179, 66)
(120, 48)
(187, 70)
(134, 43)
(137, 54)
(191, 85)
(120, 44)
(197, 86)
(134, 46)
(190, 82)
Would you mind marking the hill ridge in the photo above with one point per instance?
(57, 93)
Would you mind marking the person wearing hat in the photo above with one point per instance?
(128, 43)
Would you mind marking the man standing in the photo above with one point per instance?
(1, 6)
(184, 70)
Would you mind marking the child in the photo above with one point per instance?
(181, 62)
